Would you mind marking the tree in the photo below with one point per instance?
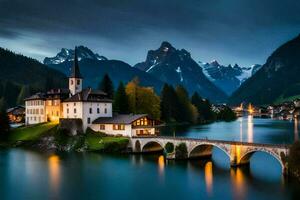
(187, 111)
(106, 85)
(169, 104)
(226, 114)
(294, 159)
(181, 151)
(142, 99)
(204, 108)
(25, 92)
(4, 122)
(121, 104)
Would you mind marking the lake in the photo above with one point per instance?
(26, 174)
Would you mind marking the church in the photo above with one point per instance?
(87, 108)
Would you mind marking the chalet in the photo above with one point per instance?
(127, 125)
(16, 114)
(92, 108)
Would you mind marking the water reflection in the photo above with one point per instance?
(208, 172)
(250, 128)
(238, 183)
(161, 164)
(241, 128)
(54, 172)
(296, 131)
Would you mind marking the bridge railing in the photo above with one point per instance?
(285, 146)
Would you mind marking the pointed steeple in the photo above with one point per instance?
(75, 72)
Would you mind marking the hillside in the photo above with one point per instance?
(21, 76)
(277, 79)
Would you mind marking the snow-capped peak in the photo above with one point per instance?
(68, 55)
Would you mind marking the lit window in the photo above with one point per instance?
(118, 127)
(102, 127)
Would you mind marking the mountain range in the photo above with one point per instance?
(170, 66)
(227, 78)
(93, 67)
(276, 81)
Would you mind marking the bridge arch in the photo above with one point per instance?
(205, 150)
(245, 158)
(152, 146)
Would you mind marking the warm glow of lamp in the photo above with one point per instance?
(250, 109)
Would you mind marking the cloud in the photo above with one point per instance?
(230, 30)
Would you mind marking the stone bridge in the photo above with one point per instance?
(239, 153)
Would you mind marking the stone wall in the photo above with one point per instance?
(71, 126)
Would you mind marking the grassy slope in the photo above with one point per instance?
(98, 142)
(30, 133)
(95, 141)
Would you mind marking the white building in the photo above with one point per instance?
(87, 105)
(35, 109)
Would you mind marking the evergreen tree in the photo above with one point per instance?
(121, 104)
(204, 108)
(186, 109)
(106, 85)
(25, 92)
(166, 113)
(4, 122)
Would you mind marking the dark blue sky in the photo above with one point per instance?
(231, 31)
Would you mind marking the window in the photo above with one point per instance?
(91, 110)
(42, 111)
(72, 82)
(88, 120)
(74, 104)
(102, 127)
(105, 110)
(67, 110)
(74, 110)
(78, 82)
(98, 110)
(118, 127)
(57, 113)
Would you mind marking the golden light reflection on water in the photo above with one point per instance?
(54, 172)
(238, 183)
(161, 164)
(241, 129)
(208, 173)
(296, 131)
(250, 128)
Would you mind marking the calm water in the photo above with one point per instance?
(30, 175)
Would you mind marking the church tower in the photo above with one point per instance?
(75, 79)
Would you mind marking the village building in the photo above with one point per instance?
(126, 125)
(78, 109)
(16, 114)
